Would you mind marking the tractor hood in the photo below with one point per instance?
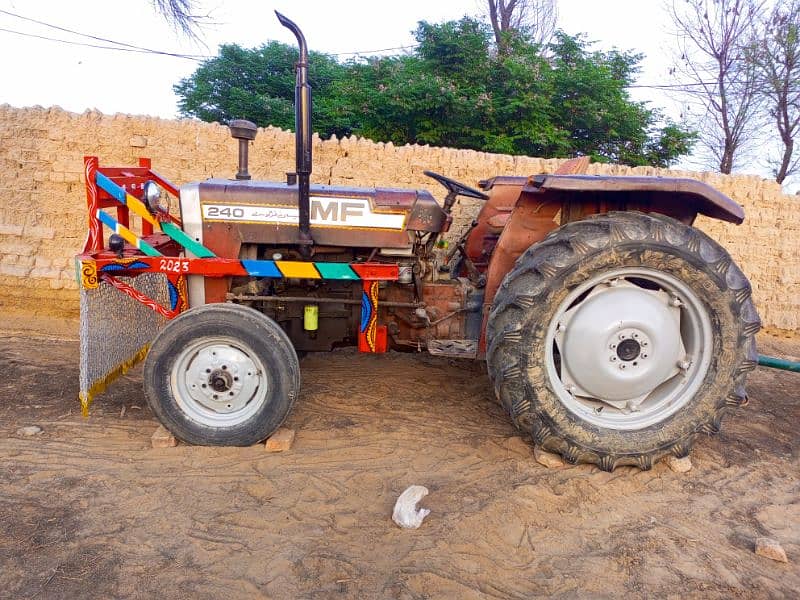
(267, 212)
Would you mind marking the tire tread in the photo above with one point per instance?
(547, 260)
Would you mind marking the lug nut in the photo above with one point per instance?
(613, 358)
(622, 336)
(622, 366)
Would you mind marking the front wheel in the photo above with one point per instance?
(618, 339)
(221, 375)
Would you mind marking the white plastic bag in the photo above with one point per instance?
(405, 512)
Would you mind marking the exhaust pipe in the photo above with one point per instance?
(245, 132)
(302, 139)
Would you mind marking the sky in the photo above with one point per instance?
(36, 71)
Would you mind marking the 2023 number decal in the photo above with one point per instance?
(171, 265)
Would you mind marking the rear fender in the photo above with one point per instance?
(680, 198)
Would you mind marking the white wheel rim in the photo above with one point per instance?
(219, 382)
(628, 348)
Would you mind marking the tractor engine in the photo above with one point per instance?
(258, 220)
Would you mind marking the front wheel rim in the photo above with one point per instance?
(628, 348)
(219, 382)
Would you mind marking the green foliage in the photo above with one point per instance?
(455, 90)
(258, 84)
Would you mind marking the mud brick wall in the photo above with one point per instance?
(43, 208)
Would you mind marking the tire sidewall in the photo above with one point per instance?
(258, 335)
(529, 298)
(699, 409)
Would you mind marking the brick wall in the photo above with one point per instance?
(43, 209)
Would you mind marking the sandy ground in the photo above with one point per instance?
(89, 509)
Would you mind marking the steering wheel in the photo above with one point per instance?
(456, 188)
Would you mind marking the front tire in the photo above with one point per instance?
(619, 338)
(221, 375)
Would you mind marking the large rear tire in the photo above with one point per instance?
(618, 339)
(221, 375)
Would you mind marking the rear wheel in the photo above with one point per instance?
(221, 375)
(618, 339)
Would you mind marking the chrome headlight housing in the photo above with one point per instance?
(154, 198)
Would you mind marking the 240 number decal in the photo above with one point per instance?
(224, 211)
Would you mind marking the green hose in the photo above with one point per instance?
(778, 363)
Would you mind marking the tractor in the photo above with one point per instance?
(614, 332)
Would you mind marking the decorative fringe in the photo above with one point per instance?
(99, 386)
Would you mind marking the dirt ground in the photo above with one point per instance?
(89, 509)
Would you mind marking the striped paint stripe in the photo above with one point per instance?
(227, 267)
(300, 270)
(184, 240)
(119, 194)
(126, 234)
(138, 207)
(261, 268)
(337, 271)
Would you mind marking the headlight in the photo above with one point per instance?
(154, 199)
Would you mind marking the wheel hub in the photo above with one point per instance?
(619, 343)
(628, 349)
(218, 381)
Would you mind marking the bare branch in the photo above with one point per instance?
(715, 42)
(181, 15)
(536, 19)
(777, 60)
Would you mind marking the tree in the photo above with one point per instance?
(454, 90)
(535, 19)
(591, 105)
(777, 59)
(258, 84)
(716, 40)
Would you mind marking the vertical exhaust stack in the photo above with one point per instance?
(302, 119)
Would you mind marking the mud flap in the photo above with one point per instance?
(115, 329)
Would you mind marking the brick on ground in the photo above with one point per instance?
(679, 465)
(163, 438)
(280, 441)
(547, 459)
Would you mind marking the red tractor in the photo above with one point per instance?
(614, 332)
